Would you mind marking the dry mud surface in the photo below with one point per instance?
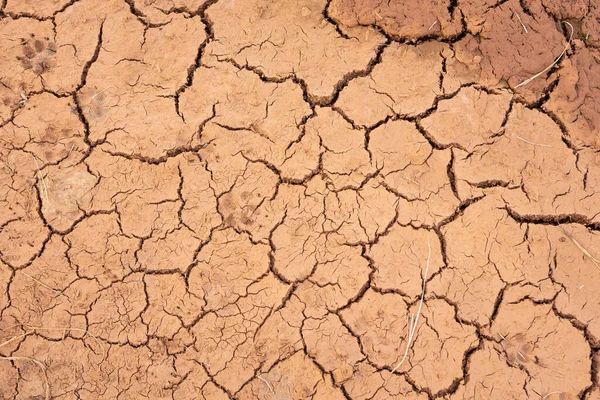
(226, 199)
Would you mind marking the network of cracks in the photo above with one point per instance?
(245, 199)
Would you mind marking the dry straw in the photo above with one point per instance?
(521, 22)
(525, 82)
(415, 319)
(583, 249)
(266, 382)
(532, 143)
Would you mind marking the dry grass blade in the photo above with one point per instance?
(39, 364)
(41, 177)
(414, 319)
(583, 249)
(551, 393)
(521, 22)
(12, 339)
(40, 282)
(266, 382)
(99, 93)
(525, 82)
(410, 180)
(531, 143)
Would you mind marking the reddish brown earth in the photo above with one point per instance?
(226, 199)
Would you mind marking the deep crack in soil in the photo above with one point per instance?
(223, 199)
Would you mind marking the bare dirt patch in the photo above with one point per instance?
(227, 199)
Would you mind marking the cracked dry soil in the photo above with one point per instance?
(226, 199)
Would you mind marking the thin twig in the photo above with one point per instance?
(525, 82)
(583, 249)
(414, 320)
(39, 364)
(534, 144)
(432, 25)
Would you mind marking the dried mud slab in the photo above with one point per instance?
(540, 343)
(171, 306)
(244, 119)
(33, 8)
(228, 351)
(379, 320)
(338, 279)
(581, 11)
(405, 82)
(414, 172)
(108, 258)
(24, 59)
(491, 378)
(116, 315)
(360, 216)
(47, 54)
(225, 268)
(469, 119)
(57, 303)
(369, 383)
(298, 238)
(62, 192)
(382, 322)
(591, 25)
(332, 346)
(409, 20)
(486, 250)
(21, 240)
(574, 99)
(576, 273)
(296, 377)
(346, 162)
(131, 82)
(463, 64)
(436, 370)
(47, 128)
(400, 259)
(531, 158)
(515, 44)
(292, 40)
